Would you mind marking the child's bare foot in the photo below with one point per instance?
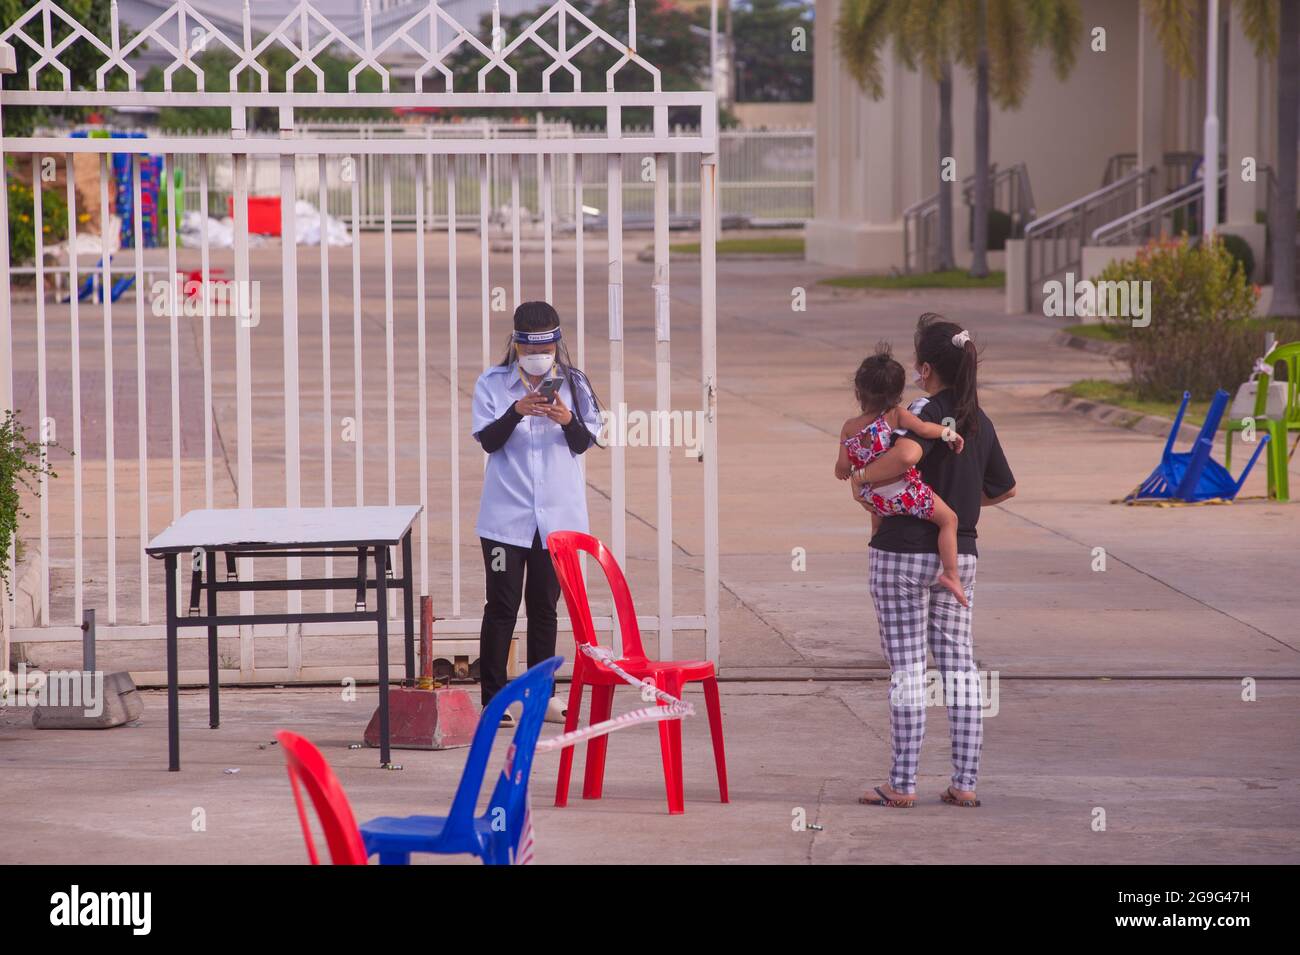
(953, 584)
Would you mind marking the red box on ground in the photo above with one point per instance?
(263, 214)
(444, 718)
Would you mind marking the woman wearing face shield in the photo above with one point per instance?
(533, 414)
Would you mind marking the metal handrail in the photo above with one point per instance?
(1185, 197)
(1060, 235)
(1118, 185)
(917, 219)
(1174, 163)
(919, 216)
(1016, 171)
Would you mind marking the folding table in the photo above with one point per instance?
(340, 532)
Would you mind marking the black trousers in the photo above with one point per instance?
(513, 573)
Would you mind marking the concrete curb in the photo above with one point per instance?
(1068, 340)
(1116, 416)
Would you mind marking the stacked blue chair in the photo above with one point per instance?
(495, 835)
(1192, 476)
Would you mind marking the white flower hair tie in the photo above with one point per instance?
(961, 338)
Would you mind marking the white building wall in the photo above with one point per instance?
(876, 158)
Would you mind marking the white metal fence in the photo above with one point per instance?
(248, 368)
(765, 176)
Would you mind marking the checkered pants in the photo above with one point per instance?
(913, 610)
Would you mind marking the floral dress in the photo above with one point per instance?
(907, 495)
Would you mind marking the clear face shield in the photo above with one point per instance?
(536, 351)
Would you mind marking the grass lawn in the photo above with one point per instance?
(1286, 330)
(952, 278)
(1098, 332)
(766, 245)
(1120, 393)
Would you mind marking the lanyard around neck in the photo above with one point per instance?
(532, 389)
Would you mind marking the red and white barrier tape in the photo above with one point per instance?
(606, 656)
(650, 714)
(674, 709)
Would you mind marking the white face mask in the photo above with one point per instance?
(537, 365)
(918, 379)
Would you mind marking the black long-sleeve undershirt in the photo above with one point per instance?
(494, 436)
(576, 433)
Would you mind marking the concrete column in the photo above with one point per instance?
(1244, 128)
(869, 156)
(1151, 101)
(1243, 102)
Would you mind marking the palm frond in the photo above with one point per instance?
(1056, 26)
(967, 15)
(1177, 28)
(1259, 22)
(1010, 64)
(925, 34)
(860, 32)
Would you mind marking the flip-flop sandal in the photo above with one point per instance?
(884, 800)
(948, 797)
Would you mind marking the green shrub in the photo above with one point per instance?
(999, 229)
(1199, 337)
(21, 462)
(54, 212)
(1240, 250)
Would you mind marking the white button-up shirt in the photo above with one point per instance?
(532, 483)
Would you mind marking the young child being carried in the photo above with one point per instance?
(878, 385)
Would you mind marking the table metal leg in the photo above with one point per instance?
(408, 597)
(173, 676)
(214, 703)
(381, 592)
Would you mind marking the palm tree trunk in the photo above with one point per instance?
(947, 260)
(979, 266)
(1283, 212)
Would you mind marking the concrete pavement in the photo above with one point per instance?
(1120, 690)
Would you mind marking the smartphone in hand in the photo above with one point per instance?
(549, 388)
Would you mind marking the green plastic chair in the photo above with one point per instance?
(1277, 428)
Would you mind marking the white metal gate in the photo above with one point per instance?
(102, 521)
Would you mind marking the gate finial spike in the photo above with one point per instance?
(631, 25)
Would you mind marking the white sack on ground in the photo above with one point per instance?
(221, 232)
(307, 226)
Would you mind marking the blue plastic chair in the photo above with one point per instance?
(92, 285)
(493, 836)
(1191, 476)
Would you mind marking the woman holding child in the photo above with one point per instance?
(924, 474)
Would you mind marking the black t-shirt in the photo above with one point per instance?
(957, 478)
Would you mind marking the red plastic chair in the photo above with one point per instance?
(668, 675)
(307, 766)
